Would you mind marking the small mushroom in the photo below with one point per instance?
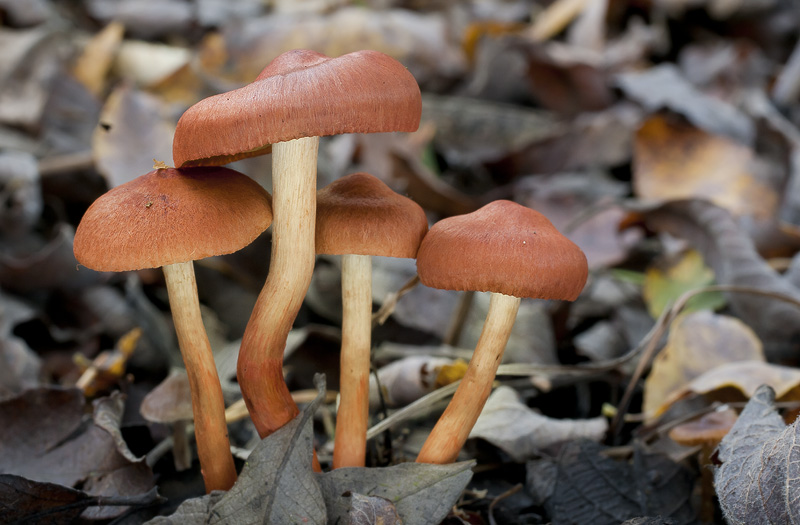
(359, 216)
(300, 96)
(169, 218)
(513, 252)
(170, 403)
(706, 433)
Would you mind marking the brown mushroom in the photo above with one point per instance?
(513, 252)
(705, 432)
(359, 216)
(298, 97)
(168, 218)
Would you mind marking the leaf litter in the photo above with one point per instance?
(638, 139)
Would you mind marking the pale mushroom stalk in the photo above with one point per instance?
(166, 219)
(451, 431)
(294, 204)
(208, 405)
(350, 443)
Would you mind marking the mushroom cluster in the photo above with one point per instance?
(172, 216)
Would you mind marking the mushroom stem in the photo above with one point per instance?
(453, 428)
(350, 444)
(208, 405)
(294, 205)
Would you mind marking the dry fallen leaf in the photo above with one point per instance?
(132, 122)
(509, 424)
(758, 479)
(740, 380)
(697, 342)
(583, 485)
(674, 160)
(92, 66)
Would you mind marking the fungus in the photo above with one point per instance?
(168, 218)
(300, 96)
(358, 216)
(513, 252)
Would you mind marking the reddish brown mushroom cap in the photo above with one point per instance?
(169, 216)
(505, 248)
(300, 94)
(707, 430)
(360, 215)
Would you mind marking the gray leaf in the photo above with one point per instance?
(368, 510)
(276, 485)
(421, 493)
(757, 482)
(590, 487)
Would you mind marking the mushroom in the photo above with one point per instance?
(300, 96)
(706, 433)
(168, 218)
(513, 252)
(359, 216)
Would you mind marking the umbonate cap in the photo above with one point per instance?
(360, 215)
(505, 248)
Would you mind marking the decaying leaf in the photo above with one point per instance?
(522, 433)
(44, 436)
(662, 286)
(276, 484)
(739, 381)
(664, 87)
(22, 499)
(584, 486)
(673, 160)
(698, 342)
(758, 479)
(369, 510)
(131, 122)
(730, 252)
(94, 62)
(406, 380)
(422, 494)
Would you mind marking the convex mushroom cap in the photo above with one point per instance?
(301, 93)
(505, 248)
(169, 216)
(358, 214)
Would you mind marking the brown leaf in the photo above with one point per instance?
(674, 160)
(21, 499)
(740, 380)
(698, 342)
(94, 62)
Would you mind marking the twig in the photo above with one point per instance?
(390, 302)
(510, 492)
(664, 321)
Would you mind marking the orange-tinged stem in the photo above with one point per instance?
(451, 431)
(208, 405)
(350, 444)
(294, 205)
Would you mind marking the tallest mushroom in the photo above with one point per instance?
(300, 96)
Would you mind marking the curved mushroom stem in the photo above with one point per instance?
(453, 428)
(294, 204)
(350, 444)
(208, 405)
